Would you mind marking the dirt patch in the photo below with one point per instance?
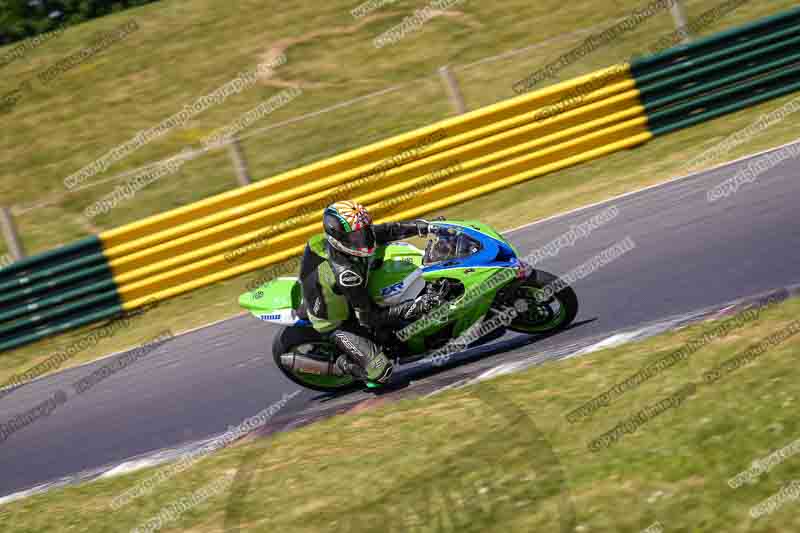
(281, 47)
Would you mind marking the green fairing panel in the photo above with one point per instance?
(463, 316)
(280, 293)
(398, 262)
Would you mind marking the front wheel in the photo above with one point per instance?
(548, 310)
(316, 355)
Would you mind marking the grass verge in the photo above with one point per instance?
(501, 456)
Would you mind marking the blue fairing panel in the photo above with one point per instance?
(493, 253)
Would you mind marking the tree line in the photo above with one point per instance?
(21, 19)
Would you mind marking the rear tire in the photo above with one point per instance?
(292, 339)
(566, 299)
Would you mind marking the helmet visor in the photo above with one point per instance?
(361, 241)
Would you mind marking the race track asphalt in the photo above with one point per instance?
(689, 254)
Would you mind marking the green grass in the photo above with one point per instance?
(500, 456)
(184, 51)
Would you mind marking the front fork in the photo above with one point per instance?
(508, 295)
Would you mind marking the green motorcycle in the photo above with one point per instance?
(486, 287)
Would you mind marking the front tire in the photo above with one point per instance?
(308, 342)
(549, 315)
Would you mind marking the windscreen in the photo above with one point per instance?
(448, 244)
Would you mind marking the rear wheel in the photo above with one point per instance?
(545, 313)
(307, 342)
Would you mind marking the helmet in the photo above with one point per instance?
(348, 226)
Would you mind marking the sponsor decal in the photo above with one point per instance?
(343, 338)
(348, 278)
(270, 317)
(392, 289)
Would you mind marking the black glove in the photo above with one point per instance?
(422, 305)
(400, 315)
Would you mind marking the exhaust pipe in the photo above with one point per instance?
(308, 365)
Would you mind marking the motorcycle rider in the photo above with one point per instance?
(334, 273)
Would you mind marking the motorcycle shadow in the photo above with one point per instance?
(426, 369)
